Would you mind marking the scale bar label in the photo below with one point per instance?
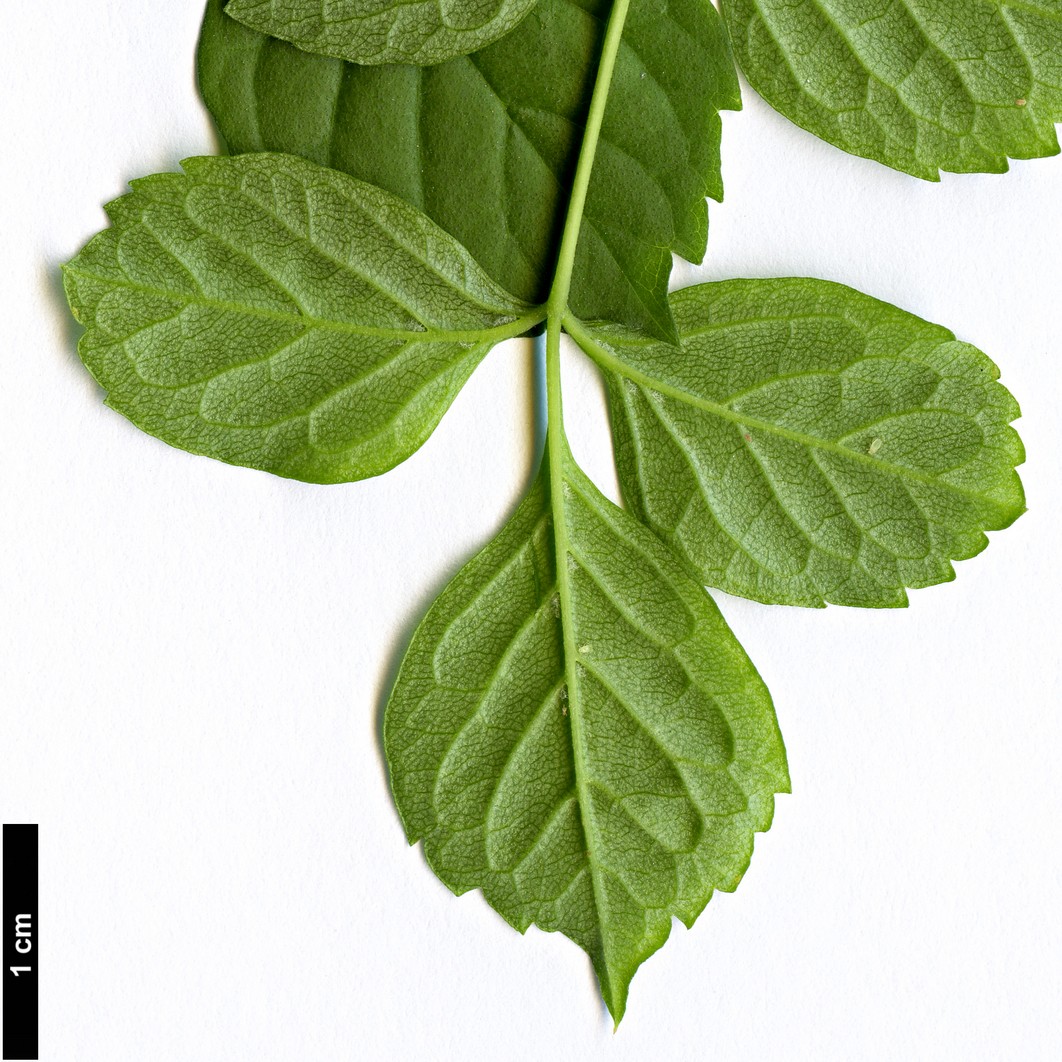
(20, 942)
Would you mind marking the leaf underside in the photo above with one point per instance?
(486, 144)
(920, 85)
(384, 31)
(597, 796)
(268, 312)
(809, 444)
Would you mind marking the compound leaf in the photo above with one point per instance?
(486, 144)
(269, 312)
(383, 31)
(595, 752)
(809, 444)
(920, 85)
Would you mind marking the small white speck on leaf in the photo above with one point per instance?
(1020, 103)
(875, 446)
(585, 649)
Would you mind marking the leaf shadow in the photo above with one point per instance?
(50, 276)
(68, 330)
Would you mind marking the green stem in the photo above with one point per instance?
(557, 304)
(562, 279)
(557, 452)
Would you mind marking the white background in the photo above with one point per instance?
(194, 659)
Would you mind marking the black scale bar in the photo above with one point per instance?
(20, 942)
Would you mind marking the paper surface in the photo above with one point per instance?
(193, 659)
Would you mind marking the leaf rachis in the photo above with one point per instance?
(557, 444)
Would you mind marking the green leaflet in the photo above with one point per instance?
(594, 753)
(384, 31)
(811, 444)
(921, 85)
(486, 144)
(268, 312)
